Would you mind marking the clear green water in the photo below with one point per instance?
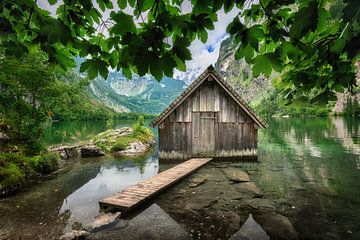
(309, 167)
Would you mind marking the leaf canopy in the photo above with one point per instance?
(311, 43)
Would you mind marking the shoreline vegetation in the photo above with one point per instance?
(18, 170)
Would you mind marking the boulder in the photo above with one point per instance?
(74, 234)
(102, 221)
(91, 151)
(135, 148)
(249, 186)
(276, 225)
(197, 180)
(236, 175)
(250, 230)
(79, 150)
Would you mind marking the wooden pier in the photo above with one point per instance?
(131, 197)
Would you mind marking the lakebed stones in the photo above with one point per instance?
(153, 223)
(276, 225)
(236, 174)
(102, 221)
(216, 209)
(74, 234)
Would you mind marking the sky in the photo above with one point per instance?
(203, 54)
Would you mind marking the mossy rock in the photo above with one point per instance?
(125, 141)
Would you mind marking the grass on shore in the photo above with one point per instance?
(16, 170)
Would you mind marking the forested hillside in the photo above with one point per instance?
(265, 93)
(140, 94)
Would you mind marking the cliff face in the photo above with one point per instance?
(343, 97)
(239, 75)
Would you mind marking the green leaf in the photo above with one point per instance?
(287, 49)
(305, 20)
(56, 31)
(261, 65)
(180, 49)
(265, 63)
(122, 4)
(255, 35)
(180, 65)
(235, 26)
(246, 52)
(52, 2)
(123, 23)
(203, 36)
(228, 5)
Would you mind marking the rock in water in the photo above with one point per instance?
(236, 175)
(249, 186)
(91, 151)
(102, 221)
(276, 225)
(250, 230)
(74, 234)
(153, 223)
(135, 148)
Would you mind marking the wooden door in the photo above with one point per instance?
(203, 133)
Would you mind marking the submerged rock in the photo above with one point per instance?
(153, 223)
(74, 234)
(197, 180)
(236, 175)
(276, 225)
(102, 221)
(249, 186)
(250, 230)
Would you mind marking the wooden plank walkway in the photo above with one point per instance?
(131, 197)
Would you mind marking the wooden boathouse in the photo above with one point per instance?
(209, 119)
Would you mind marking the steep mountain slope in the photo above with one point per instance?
(238, 74)
(141, 94)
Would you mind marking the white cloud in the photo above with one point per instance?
(201, 57)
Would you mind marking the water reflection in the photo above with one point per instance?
(310, 167)
(83, 204)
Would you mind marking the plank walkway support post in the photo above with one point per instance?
(131, 197)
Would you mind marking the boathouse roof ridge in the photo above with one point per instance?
(210, 71)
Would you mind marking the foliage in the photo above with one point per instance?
(121, 144)
(44, 163)
(352, 106)
(16, 169)
(24, 83)
(139, 133)
(11, 178)
(312, 42)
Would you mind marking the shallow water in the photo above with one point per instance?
(309, 167)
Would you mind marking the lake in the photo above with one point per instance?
(308, 167)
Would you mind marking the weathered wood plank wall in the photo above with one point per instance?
(209, 121)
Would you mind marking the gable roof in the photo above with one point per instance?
(210, 71)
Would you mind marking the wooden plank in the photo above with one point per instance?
(131, 197)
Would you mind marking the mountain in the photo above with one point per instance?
(140, 94)
(238, 74)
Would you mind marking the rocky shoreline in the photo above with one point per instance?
(102, 143)
(218, 202)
